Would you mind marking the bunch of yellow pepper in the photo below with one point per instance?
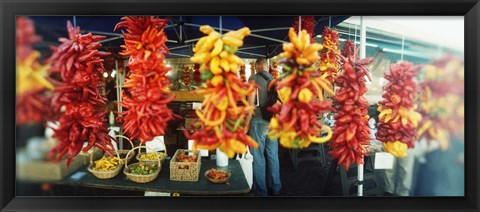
(221, 119)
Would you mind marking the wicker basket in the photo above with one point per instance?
(218, 180)
(184, 171)
(141, 178)
(104, 174)
(125, 151)
(161, 160)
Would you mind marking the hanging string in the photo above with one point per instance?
(75, 22)
(329, 21)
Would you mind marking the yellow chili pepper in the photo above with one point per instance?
(216, 80)
(222, 106)
(305, 95)
(284, 93)
(397, 148)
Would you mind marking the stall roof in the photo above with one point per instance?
(268, 32)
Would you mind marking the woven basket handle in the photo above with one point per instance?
(163, 143)
(125, 137)
(138, 147)
(91, 157)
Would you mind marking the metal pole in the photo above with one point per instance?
(363, 41)
(119, 91)
(403, 46)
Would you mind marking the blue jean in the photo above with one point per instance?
(267, 150)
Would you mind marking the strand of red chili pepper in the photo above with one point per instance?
(308, 24)
(398, 121)
(222, 120)
(348, 50)
(146, 92)
(196, 73)
(186, 76)
(33, 96)
(329, 58)
(351, 135)
(78, 99)
(295, 121)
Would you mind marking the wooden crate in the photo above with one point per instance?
(35, 170)
(184, 171)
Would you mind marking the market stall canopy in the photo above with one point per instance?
(268, 32)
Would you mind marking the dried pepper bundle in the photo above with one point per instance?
(222, 120)
(32, 87)
(351, 135)
(146, 115)
(398, 120)
(442, 107)
(295, 121)
(273, 71)
(242, 73)
(186, 76)
(348, 49)
(308, 24)
(80, 65)
(196, 73)
(252, 68)
(330, 56)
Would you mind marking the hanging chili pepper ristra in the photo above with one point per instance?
(351, 135)
(222, 121)
(330, 56)
(348, 50)
(186, 76)
(146, 92)
(398, 120)
(442, 107)
(295, 121)
(243, 73)
(80, 65)
(196, 73)
(32, 87)
(308, 24)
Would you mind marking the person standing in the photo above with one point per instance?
(267, 152)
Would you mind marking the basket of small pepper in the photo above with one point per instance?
(185, 166)
(142, 172)
(152, 156)
(106, 167)
(122, 153)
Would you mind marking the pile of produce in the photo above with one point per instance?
(196, 73)
(351, 135)
(182, 157)
(32, 87)
(107, 164)
(146, 92)
(143, 169)
(330, 56)
(295, 121)
(78, 98)
(221, 119)
(186, 76)
(217, 174)
(152, 156)
(398, 120)
(442, 107)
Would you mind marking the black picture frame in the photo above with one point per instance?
(470, 9)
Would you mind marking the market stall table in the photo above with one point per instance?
(237, 184)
